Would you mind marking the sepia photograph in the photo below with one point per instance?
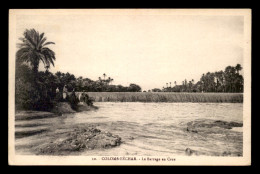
(129, 87)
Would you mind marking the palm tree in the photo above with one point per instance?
(170, 84)
(175, 83)
(104, 76)
(189, 85)
(238, 68)
(47, 68)
(33, 50)
(166, 85)
(192, 83)
(108, 80)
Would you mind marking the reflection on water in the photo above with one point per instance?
(156, 128)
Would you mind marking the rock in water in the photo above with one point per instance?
(210, 125)
(190, 152)
(80, 139)
(216, 131)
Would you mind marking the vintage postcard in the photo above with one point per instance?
(129, 87)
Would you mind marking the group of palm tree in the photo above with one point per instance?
(33, 86)
(229, 80)
(105, 81)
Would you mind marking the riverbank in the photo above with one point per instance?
(56, 139)
(59, 109)
(29, 123)
(170, 97)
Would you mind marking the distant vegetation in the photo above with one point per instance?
(221, 81)
(85, 84)
(36, 89)
(166, 97)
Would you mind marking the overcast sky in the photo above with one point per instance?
(149, 50)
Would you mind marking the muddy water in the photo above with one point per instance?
(151, 128)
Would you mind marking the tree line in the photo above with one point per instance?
(229, 81)
(36, 89)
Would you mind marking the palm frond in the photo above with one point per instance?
(41, 36)
(20, 45)
(49, 55)
(47, 43)
(51, 60)
(35, 36)
(21, 39)
(41, 57)
(48, 52)
(30, 37)
(41, 43)
(25, 43)
(34, 59)
(22, 54)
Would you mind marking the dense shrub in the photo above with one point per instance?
(32, 92)
(73, 100)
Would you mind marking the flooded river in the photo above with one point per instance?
(150, 128)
